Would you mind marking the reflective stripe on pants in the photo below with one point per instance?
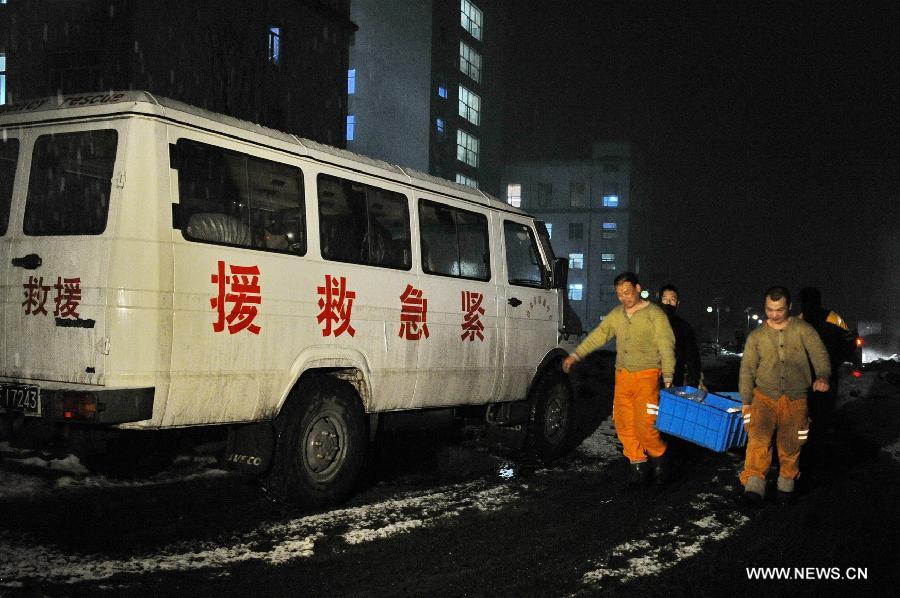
(787, 421)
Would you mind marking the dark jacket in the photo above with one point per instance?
(687, 353)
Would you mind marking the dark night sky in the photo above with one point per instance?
(769, 135)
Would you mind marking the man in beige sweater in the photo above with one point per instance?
(645, 347)
(774, 381)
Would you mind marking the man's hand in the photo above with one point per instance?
(667, 383)
(745, 414)
(569, 361)
(821, 385)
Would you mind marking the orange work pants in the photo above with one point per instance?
(635, 406)
(788, 421)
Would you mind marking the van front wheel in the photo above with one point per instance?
(321, 446)
(551, 427)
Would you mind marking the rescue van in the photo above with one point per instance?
(167, 269)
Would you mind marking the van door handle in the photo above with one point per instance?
(32, 261)
(515, 302)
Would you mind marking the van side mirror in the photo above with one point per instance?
(560, 273)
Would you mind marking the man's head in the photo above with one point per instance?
(778, 304)
(668, 295)
(628, 289)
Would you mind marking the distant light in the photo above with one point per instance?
(610, 201)
(755, 317)
(856, 374)
(275, 45)
(859, 341)
(645, 294)
(442, 91)
(439, 123)
(709, 308)
(351, 127)
(351, 81)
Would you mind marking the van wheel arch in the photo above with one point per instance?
(321, 446)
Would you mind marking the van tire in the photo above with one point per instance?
(551, 427)
(321, 445)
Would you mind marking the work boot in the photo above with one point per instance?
(785, 491)
(662, 469)
(640, 471)
(754, 491)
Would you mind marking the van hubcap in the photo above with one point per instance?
(324, 446)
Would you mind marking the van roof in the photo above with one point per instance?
(87, 105)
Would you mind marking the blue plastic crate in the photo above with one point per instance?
(710, 420)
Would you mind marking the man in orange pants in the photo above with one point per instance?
(645, 347)
(774, 381)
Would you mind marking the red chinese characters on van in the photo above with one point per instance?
(413, 314)
(471, 306)
(335, 306)
(66, 300)
(241, 290)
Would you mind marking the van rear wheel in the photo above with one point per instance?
(551, 430)
(321, 446)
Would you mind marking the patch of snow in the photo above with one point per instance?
(662, 548)
(283, 542)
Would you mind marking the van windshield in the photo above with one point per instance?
(9, 153)
(71, 176)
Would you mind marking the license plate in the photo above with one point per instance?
(20, 398)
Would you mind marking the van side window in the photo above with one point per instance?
(454, 241)
(523, 262)
(362, 224)
(9, 155)
(71, 177)
(231, 198)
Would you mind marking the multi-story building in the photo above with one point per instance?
(419, 85)
(585, 205)
(279, 63)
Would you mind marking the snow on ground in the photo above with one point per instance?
(34, 474)
(282, 542)
(665, 546)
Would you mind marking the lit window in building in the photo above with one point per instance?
(275, 45)
(442, 91)
(466, 148)
(469, 106)
(464, 180)
(576, 291)
(514, 195)
(351, 81)
(608, 261)
(576, 261)
(576, 230)
(549, 226)
(470, 18)
(609, 230)
(2, 78)
(610, 201)
(351, 127)
(439, 125)
(469, 61)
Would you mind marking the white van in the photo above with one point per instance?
(167, 268)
